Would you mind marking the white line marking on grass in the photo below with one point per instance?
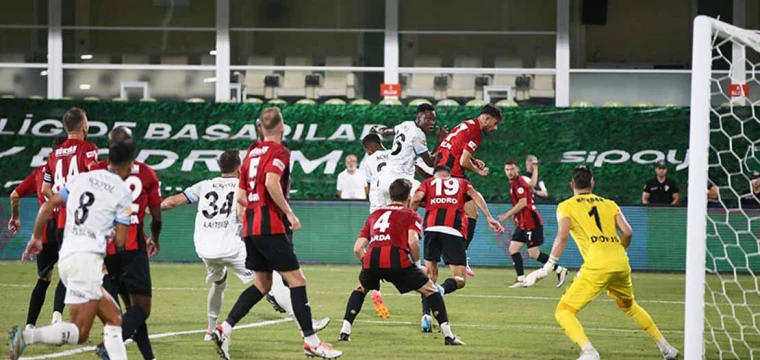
(155, 336)
(518, 326)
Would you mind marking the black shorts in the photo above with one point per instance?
(533, 238)
(267, 253)
(47, 258)
(130, 272)
(405, 280)
(451, 247)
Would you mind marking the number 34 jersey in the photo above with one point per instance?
(217, 227)
(94, 202)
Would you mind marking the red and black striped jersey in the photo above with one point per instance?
(32, 184)
(444, 205)
(72, 157)
(146, 192)
(387, 230)
(262, 216)
(528, 218)
(466, 136)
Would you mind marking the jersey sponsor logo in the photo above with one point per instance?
(279, 164)
(66, 151)
(472, 145)
(91, 154)
(258, 151)
(615, 157)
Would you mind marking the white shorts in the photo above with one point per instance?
(382, 195)
(82, 273)
(216, 268)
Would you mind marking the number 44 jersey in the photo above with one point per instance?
(94, 202)
(217, 227)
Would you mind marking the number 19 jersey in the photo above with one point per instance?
(94, 202)
(217, 228)
(444, 205)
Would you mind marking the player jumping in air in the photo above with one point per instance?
(457, 150)
(96, 202)
(217, 240)
(529, 227)
(445, 229)
(392, 233)
(594, 222)
(48, 257)
(263, 191)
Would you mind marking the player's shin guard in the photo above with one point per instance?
(302, 310)
(425, 306)
(36, 301)
(565, 316)
(60, 296)
(354, 306)
(470, 232)
(518, 261)
(57, 334)
(112, 340)
(133, 319)
(215, 300)
(243, 305)
(450, 285)
(142, 340)
(643, 320)
(543, 258)
(439, 312)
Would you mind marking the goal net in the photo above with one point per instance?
(722, 310)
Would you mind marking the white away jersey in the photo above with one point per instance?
(408, 142)
(94, 200)
(217, 227)
(373, 164)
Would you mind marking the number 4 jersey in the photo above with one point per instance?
(217, 227)
(444, 205)
(388, 232)
(94, 202)
(72, 157)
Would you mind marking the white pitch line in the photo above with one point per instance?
(155, 336)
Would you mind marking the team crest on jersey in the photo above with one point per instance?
(520, 191)
(667, 187)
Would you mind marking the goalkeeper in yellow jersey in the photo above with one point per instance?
(594, 222)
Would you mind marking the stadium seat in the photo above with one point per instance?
(89, 98)
(65, 97)
(10, 78)
(254, 79)
(581, 103)
(7, 97)
(390, 102)
(338, 83)
(147, 100)
(501, 62)
(543, 85)
(478, 103)
(336, 101)
(119, 99)
(730, 104)
(294, 83)
(447, 102)
(277, 101)
(423, 85)
(306, 102)
(463, 85)
(613, 103)
(254, 100)
(506, 103)
(37, 97)
(195, 100)
(643, 104)
(418, 102)
(671, 105)
(361, 102)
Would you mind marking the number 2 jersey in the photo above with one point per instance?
(262, 216)
(466, 136)
(387, 230)
(145, 192)
(409, 142)
(444, 205)
(217, 227)
(94, 202)
(72, 157)
(593, 227)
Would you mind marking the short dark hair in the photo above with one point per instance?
(371, 139)
(119, 134)
(73, 119)
(400, 189)
(582, 177)
(492, 110)
(229, 161)
(59, 140)
(511, 161)
(425, 107)
(270, 118)
(121, 153)
(442, 168)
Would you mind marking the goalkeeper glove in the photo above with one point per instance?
(549, 266)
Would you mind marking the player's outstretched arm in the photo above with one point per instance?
(626, 232)
(173, 201)
(383, 130)
(275, 191)
(521, 204)
(466, 161)
(480, 202)
(14, 224)
(360, 247)
(416, 200)
(414, 245)
(35, 243)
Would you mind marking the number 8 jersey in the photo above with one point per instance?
(217, 228)
(94, 202)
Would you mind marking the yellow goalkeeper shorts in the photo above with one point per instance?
(590, 283)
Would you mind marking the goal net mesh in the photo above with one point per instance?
(732, 289)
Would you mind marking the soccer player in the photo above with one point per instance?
(217, 240)
(97, 203)
(529, 227)
(445, 229)
(73, 156)
(128, 267)
(594, 221)
(393, 234)
(48, 256)
(456, 151)
(262, 190)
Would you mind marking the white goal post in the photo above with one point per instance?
(722, 302)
